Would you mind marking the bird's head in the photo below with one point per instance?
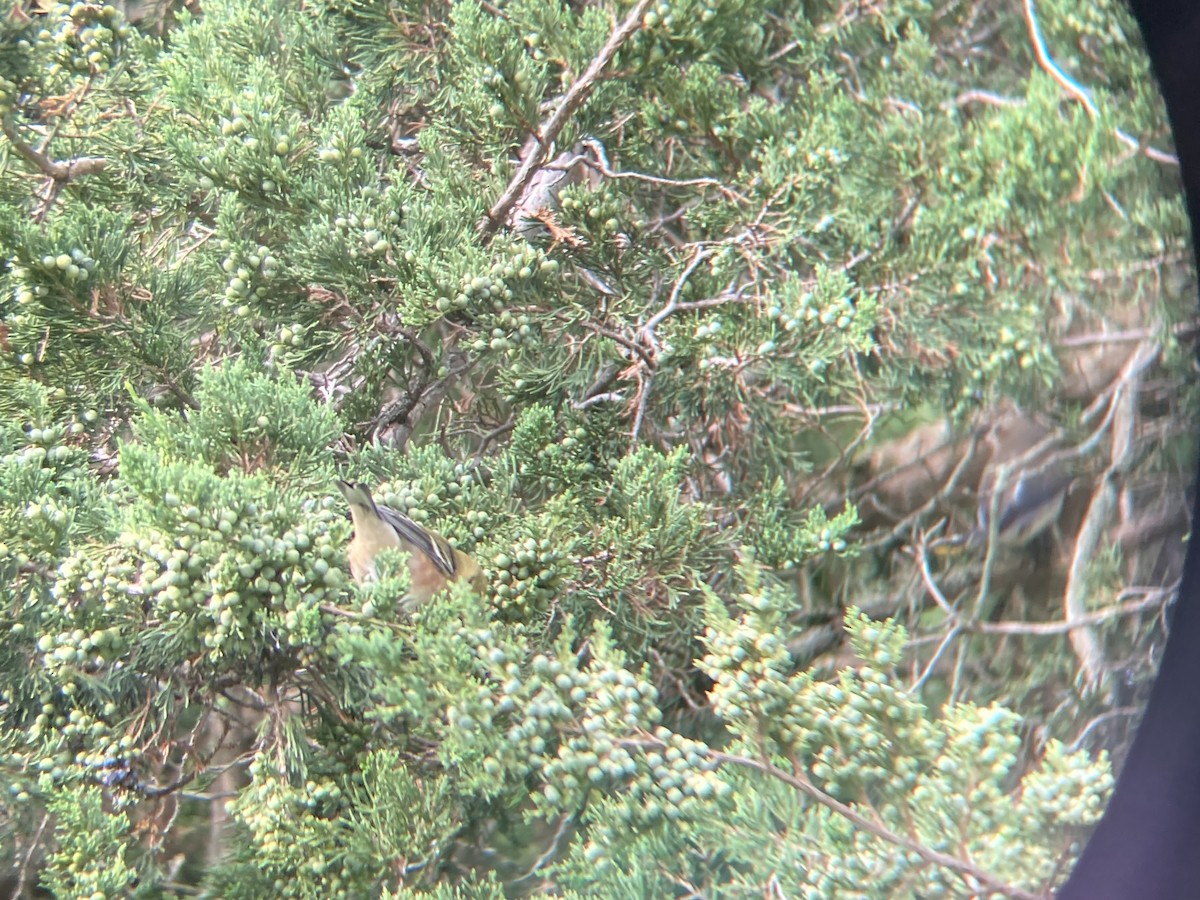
(357, 494)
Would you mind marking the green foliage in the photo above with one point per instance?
(90, 860)
(867, 743)
(246, 421)
(247, 250)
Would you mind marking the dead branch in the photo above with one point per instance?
(572, 100)
(61, 172)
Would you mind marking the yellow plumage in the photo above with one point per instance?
(432, 562)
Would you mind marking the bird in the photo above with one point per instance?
(1030, 501)
(1032, 480)
(534, 216)
(541, 195)
(432, 562)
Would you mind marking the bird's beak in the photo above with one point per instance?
(357, 494)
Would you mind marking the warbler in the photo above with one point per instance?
(432, 562)
(1033, 489)
(1030, 502)
(541, 195)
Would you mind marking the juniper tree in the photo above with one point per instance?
(698, 323)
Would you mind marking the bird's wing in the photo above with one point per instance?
(1034, 491)
(432, 545)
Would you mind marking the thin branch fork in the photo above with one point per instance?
(1076, 90)
(1123, 418)
(572, 100)
(646, 333)
(964, 868)
(601, 164)
(1044, 455)
(60, 171)
(898, 223)
(881, 831)
(960, 623)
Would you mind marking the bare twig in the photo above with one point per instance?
(630, 345)
(601, 164)
(870, 417)
(987, 97)
(647, 337)
(963, 624)
(881, 831)
(61, 172)
(1128, 335)
(396, 422)
(572, 100)
(1046, 61)
(930, 585)
(646, 332)
(645, 383)
(1143, 265)
(900, 530)
(595, 399)
(1084, 642)
(936, 658)
(1076, 90)
(1159, 156)
(1100, 720)
(23, 869)
(846, 409)
(565, 822)
(897, 224)
(1128, 608)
